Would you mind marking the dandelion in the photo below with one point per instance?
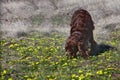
(73, 75)
(49, 58)
(110, 68)
(89, 74)
(81, 77)
(48, 76)
(29, 79)
(80, 71)
(51, 49)
(4, 72)
(58, 47)
(28, 58)
(74, 59)
(30, 49)
(10, 79)
(50, 79)
(16, 44)
(65, 64)
(18, 49)
(11, 46)
(105, 72)
(37, 63)
(109, 76)
(100, 72)
(56, 63)
(46, 48)
(26, 76)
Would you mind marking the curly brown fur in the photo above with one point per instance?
(71, 45)
(83, 26)
(76, 42)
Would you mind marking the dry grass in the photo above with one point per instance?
(104, 12)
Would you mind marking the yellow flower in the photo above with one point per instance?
(89, 74)
(16, 44)
(26, 76)
(51, 49)
(49, 58)
(110, 68)
(73, 75)
(57, 47)
(80, 71)
(10, 79)
(11, 46)
(37, 63)
(100, 72)
(48, 76)
(74, 59)
(105, 72)
(81, 77)
(28, 58)
(65, 64)
(4, 72)
(56, 62)
(29, 79)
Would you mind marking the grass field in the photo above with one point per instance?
(41, 56)
(33, 34)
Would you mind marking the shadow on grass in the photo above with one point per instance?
(103, 48)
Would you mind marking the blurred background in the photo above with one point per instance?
(20, 17)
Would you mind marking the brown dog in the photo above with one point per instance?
(76, 42)
(81, 33)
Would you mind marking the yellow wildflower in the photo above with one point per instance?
(10, 79)
(80, 71)
(4, 72)
(100, 72)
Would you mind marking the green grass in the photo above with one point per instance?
(42, 57)
(37, 20)
(57, 20)
(60, 19)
